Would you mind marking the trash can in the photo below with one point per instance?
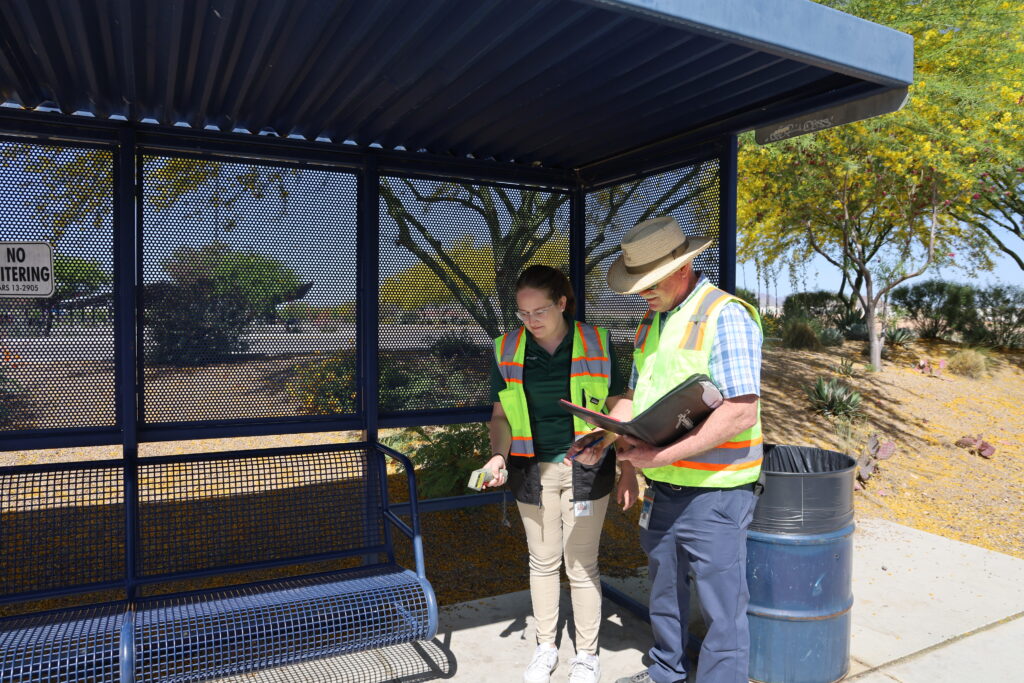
(799, 567)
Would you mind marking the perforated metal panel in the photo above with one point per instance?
(61, 527)
(57, 352)
(80, 645)
(690, 194)
(217, 511)
(234, 631)
(450, 255)
(249, 290)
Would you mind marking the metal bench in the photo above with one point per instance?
(243, 524)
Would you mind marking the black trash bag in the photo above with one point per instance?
(806, 491)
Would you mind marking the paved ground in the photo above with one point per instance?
(926, 609)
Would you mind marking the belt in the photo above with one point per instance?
(696, 489)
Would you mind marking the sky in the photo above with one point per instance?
(821, 274)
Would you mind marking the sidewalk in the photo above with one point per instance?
(926, 609)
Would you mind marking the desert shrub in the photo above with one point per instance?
(857, 332)
(899, 336)
(852, 324)
(824, 307)
(327, 386)
(748, 296)
(1000, 317)
(456, 345)
(845, 368)
(799, 334)
(8, 386)
(969, 363)
(831, 336)
(771, 324)
(937, 308)
(834, 398)
(443, 463)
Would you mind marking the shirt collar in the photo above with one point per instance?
(700, 281)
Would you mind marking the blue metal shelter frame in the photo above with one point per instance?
(564, 95)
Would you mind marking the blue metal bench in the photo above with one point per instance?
(322, 512)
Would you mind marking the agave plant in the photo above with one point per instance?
(830, 336)
(899, 336)
(845, 368)
(834, 398)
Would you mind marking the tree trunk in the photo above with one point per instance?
(875, 340)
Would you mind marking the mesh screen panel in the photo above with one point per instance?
(229, 511)
(449, 257)
(229, 632)
(80, 645)
(60, 528)
(249, 290)
(57, 352)
(690, 194)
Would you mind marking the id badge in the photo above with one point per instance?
(645, 509)
(583, 508)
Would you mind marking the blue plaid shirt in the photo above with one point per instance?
(735, 351)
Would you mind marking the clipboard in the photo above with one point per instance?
(665, 421)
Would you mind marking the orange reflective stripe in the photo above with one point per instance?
(713, 467)
(517, 365)
(690, 323)
(588, 374)
(516, 381)
(741, 444)
(583, 338)
(521, 455)
(586, 358)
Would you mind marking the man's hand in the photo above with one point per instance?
(628, 489)
(639, 453)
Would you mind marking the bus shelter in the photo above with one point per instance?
(265, 217)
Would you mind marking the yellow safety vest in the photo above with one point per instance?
(589, 380)
(664, 359)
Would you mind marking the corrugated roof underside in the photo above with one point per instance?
(555, 82)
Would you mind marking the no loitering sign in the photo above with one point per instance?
(26, 269)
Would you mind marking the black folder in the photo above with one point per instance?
(668, 419)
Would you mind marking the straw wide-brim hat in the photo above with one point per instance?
(652, 251)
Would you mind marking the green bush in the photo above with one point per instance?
(899, 336)
(824, 307)
(799, 334)
(834, 398)
(443, 464)
(969, 363)
(748, 296)
(857, 332)
(1000, 318)
(937, 308)
(454, 344)
(327, 386)
(831, 336)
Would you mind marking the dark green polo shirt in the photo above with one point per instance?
(545, 380)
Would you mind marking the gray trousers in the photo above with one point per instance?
(703, 530)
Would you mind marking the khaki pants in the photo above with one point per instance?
(553, 530)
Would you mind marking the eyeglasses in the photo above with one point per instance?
(537, 315)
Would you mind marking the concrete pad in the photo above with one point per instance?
(493, 639)
(993, 654)
(913, 590)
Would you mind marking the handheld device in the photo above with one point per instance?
(477, 478)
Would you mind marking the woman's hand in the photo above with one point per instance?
(587, 450)
(628, 489)
(496, 466)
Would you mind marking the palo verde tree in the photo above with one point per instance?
(996, 208)
(522, 227)
(877, 199)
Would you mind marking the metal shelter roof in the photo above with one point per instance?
(562, 84)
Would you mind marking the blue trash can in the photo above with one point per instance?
(799, 567)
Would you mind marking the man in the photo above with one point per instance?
(702, 485)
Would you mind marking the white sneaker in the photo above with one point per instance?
(584, 668)
(545, 659)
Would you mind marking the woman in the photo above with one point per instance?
(562, 505)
